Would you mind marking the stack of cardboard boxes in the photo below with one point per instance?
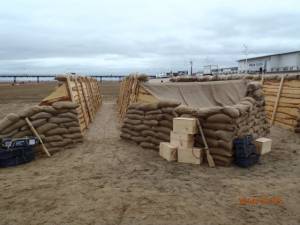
(181, 147)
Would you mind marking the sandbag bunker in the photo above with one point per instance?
(226, 110)
(61, 119)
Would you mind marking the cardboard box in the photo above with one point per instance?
(182, 139)
(263, 145)
(185, 125)
(190, 155)
(168, 151)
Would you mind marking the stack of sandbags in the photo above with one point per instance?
(149, 124)
(297, 128)
(58, 125)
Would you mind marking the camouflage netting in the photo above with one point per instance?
(150, 124)
(58, 125)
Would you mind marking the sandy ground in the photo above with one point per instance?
(107, 180)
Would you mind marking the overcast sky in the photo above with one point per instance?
(122, 36)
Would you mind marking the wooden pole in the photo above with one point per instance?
(277, 99)
(38, 136)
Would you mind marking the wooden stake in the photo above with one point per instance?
(38, 136)
(277, 100)
(210, 159)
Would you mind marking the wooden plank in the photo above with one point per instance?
(277, 99)
(81, 102)
(85, 99)
(38, 136)
(69, 88)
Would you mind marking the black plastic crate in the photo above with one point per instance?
(247, 162)
(17, 156)
(244, 147)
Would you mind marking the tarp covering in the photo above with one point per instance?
(200, 94)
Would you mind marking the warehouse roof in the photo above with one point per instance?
(258, 57)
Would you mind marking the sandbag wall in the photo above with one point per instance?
(148, 124)
(57, 125)
(62, 118)
(287, 112)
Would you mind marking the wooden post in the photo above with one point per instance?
(70, 89)
(81, 102)
(277, 99)
(86, 100)
(38, 136)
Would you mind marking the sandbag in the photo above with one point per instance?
(231, 111)
(146, 133)
(58, 120)
(166, 123)
(242, 108)
(224, 135)
(151, 112)
(154, 117)
(220, 151)
(150, 122)
(57, 131)
(46, 127)
(137, 127)
(133, 122)
(53, 138)
(9, 135)
(134, 116)
(22, 134)
(131, 132)
(63, 143)
(15, 126)
(8, 120)
(164, 130)
(219, 126)
(69, 124)
(169, 103)
(74, 129)
(68, 115)
(167, 110)
(138, 139)
(30, 111)
(65, 105)
(41, 115)
(148, 145)
(125, 136)
(163, 136)
(168, 117)
(74, 136)
(221, 118)
(148, 106)
(74, 111)
(135, 111)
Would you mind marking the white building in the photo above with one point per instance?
(283, 62)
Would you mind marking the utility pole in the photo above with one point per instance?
(246, 53)
(191, 63)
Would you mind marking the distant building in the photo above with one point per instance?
(283, 62)
(178, 73)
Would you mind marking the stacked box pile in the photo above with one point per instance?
(149, 124)
(221, 124)
(57, 124)
(181, 146)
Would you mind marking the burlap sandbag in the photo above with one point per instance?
(164, 130)
(139, 127)
(148, 106)
(135, 111)
(62, 143)
(132, 122)
(231, 111)
(219, 126)
(222, 160)
(46, 127)
(125, 136)
(134, 116)
(73, 136)
(150, 122)
(53, 138)
(138, 139)
(9, 135)
(163, 136)
(166, 123)
(131, 132)
(57, 131)
(8, 120)
(69, 124)
(225, 135)
(167, 110)
(252, 86)
(74, 129)
(17, 125)
(58, 120)
(48, 109)
(28, 112)
(68, 115)
(41, 115)
(74, 111)
(249, 99)
(164, 104)
(22, 134)
(154, 117)
(151, 112)
(221, 118)
(146, 133)
(242, 108)
(65, 105)
(168, 116)
(247, 103)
